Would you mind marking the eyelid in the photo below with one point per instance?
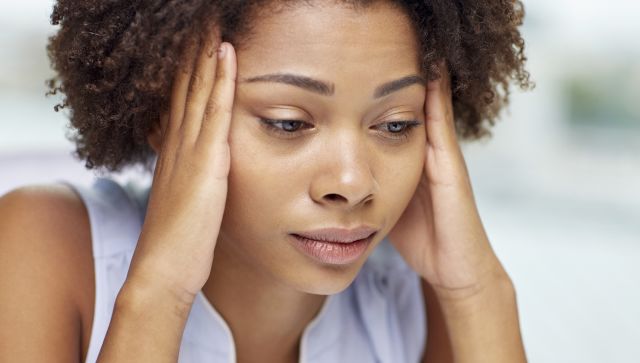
(403, 121)
(409, 126)
(269, 125)
(271, 121)
(409, 113)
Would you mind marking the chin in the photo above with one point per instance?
(327, 286)
(326, 279)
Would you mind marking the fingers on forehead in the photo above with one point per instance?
(207, 40)
(439, 111)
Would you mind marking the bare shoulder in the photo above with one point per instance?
(46, 274)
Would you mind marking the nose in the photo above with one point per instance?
(344, 177)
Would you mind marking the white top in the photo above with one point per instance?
(380, 317)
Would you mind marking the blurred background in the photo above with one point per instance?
(558, 184)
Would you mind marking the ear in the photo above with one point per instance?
(154, 138)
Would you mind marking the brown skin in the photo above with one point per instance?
(468, 293)
(288, 183)
(110, 54)
(46, 275)
(217, 149)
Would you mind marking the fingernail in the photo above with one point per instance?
(221, 51)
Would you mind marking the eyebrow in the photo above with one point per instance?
(328, 89)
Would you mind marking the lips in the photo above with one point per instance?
(340, 248)
(338, 235)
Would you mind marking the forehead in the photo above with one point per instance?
(331, 41)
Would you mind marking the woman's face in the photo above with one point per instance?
(336, 158)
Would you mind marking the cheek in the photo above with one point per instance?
(258, 187)
(263, 170)
(399, 179)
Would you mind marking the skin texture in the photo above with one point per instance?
(109, 54)
(345, 169)
(224, 184)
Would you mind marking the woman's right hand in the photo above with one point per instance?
(187, 199)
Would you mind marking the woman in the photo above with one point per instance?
(312, 145)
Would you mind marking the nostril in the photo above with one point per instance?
(334, 197)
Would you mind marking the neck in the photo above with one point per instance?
(266, 318)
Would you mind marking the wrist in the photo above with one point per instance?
(146, 322)
(494, 283)
(479, 327)
(139, 296)
(157, 277)
(494, 298)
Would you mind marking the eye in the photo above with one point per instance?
(395, 130)
(398, 130)
(284, 128)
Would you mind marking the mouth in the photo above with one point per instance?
(336, 252)
(338, 235)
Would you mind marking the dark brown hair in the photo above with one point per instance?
(115, 61)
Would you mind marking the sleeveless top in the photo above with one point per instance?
(379, 318)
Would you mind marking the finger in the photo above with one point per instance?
(445, 162)
(450, 191)
(200, 86)
(441, 133)
(217, 120)
(180, 87)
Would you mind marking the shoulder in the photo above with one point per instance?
(39, 218)
(48, 224)
(46, 269)
(48, 203)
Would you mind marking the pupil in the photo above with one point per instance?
(289, 125)
(395, 127)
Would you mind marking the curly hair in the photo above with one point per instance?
(115, 62)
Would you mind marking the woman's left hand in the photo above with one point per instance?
(440, 233)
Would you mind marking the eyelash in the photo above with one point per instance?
(409, 126)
